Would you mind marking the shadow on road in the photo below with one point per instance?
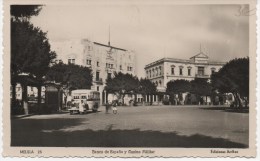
(226, 109)
(51, 133)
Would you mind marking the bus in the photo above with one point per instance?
(91, 99)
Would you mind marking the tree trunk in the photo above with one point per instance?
(25, 99)
(239, 100)
(39, 91)
(151, 101)
(13, 92)
(135, 99)
(143, 100)
(123, 100)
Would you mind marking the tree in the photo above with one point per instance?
(30, 52)
(122, 84)
(233, 78)
(201, 87)
(30, 49)
(146, 87)
(70, 77)
(26, 11)
(19, 13)
(178, 87)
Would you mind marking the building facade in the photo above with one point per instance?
(103, 60)
(164, 70)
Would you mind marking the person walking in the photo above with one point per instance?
(81, 107)
(107, 107)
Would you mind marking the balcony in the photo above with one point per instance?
(98, 81)
(202, 76)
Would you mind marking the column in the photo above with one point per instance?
(105, 98)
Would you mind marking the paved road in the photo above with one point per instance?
(142, 126)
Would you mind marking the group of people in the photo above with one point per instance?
(109, 105)
(81, 105)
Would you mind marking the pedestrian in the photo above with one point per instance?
(107, 107)
(114, 108)
(81, 107)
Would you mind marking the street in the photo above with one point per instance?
(141, 126)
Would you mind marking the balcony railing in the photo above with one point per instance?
(99, 80)
(201, 76)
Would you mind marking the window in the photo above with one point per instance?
(97, 76)
(109, 75)
(172, 71)
(88, 62)
(180, 71)
(97, 88)
(160, 70)
(76, 97)
(120, 67)
(129, 68)
(97, 64)
(109, 65)
(83, 97)
(71, 61)
(200, 70)
(150, 73)
(189, 71)
(213, 70)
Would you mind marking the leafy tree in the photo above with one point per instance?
(70, 77)
(25, 11)
(233, 77)
(30, 49)
(146, 87)
(177, 87)
(201, 87)
(122, 84)
(19, 13)
(30, 52)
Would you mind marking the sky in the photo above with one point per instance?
(153, 31)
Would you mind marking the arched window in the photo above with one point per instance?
(156, 71)
(189, 71)
(180, 70)
(213, 70)
(172, 69)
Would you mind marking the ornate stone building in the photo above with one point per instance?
(103, 59)
(167, 69)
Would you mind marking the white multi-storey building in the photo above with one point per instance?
(103, 59)
(167, 69)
